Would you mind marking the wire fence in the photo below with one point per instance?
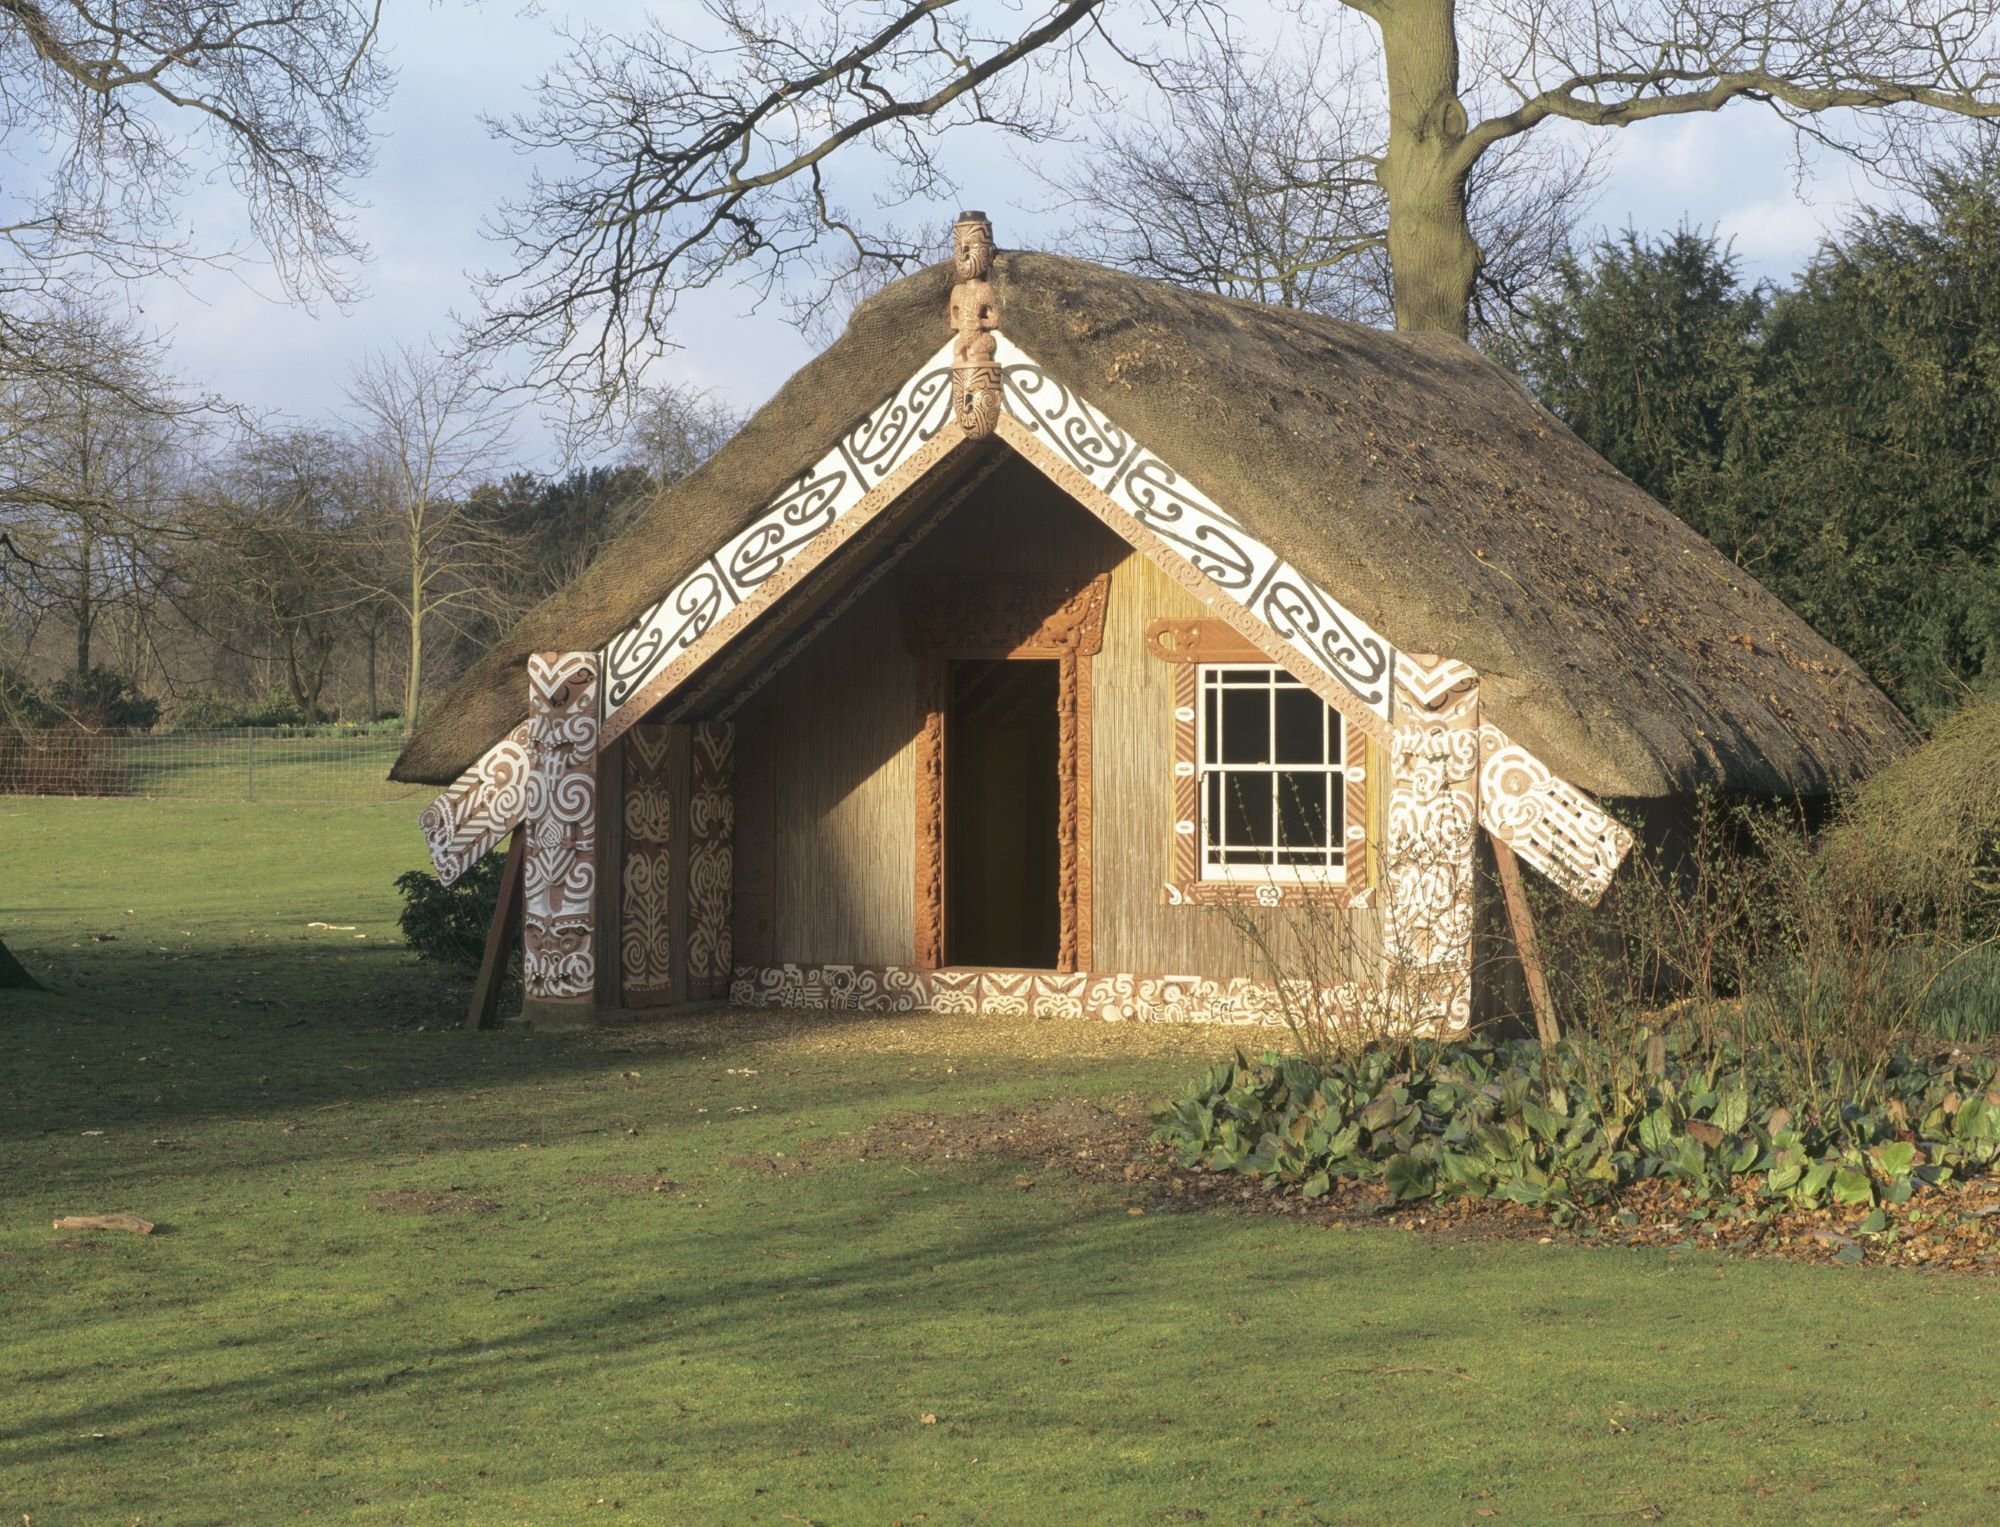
(295, 765)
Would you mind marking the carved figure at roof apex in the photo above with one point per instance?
(972, 246)
(974, 313)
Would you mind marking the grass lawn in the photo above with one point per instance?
(791, 1328)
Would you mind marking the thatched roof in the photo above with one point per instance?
(1408, 476)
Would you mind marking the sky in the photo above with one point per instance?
(439, 175)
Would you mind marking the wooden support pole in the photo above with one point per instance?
(1523, 924)
(500, 937)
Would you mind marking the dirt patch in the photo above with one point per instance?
(630, 1182)
(931, 1034)
(1093, 1138)
(78, 1244)
(771, 1166)
(424, 1201)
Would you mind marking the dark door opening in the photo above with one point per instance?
(1003, 862)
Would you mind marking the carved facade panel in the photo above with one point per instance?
(1429, 863)
(1427, 681)
(480, 808)
(559, 872)
(711, 835)
(1099, 996)
(1548, 822)
(646, 894)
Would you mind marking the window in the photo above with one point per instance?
(1270, 784)
(1272, 760)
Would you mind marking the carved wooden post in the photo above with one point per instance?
(975, 369)
(560, 869)
(711, 834)
(1429, 859)
(645, 941)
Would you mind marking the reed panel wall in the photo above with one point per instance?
(825, 810)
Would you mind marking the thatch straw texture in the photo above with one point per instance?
(1408, 476)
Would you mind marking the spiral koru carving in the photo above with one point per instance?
(559, 872)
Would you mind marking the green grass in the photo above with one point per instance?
(765, 1348)
(332, 768)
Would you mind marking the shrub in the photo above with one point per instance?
(101, 697)
(1514, 1122)
(449, 923)
(277, 708)
(65, 760)
(1930, 823)
(203, 711)
(21, 706)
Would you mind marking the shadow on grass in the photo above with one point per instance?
(1041, 1281)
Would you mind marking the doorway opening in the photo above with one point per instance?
(1003, 792)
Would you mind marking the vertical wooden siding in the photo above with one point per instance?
(832, 817)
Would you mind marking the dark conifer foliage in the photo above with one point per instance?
(1835, 437)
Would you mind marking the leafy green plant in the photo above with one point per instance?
(449, 923)
(1562, 1129)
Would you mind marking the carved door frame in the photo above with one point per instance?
(1004, 619)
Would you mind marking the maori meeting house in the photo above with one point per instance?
(1064, 643)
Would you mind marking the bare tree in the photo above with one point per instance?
(704, 154)
(1257, 178)
(127, 106)
(277, 572)
(434, 430)
(91, 472)
(675, 427)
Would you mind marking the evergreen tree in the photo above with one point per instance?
(1835, 439)
(1649, 351)
(1880, 409)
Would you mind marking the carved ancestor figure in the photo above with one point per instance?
(975, 371)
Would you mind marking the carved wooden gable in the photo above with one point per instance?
(981, 383)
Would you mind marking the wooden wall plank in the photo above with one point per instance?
(838, 727)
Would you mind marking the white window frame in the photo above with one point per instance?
(1331, 870)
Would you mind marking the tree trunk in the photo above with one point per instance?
(1433, 256)
(413, 681)
(374, 701)
(86, 614)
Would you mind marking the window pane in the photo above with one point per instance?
(1211, 741)
(1301, 727)
(1244, 675)
(1246, 726)
(1248, 798)
(1213, 814)
(1302, 810)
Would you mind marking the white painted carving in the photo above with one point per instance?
(806, 509)
(1304, 617)
(559, 871)
(480, 808)
(1429, 866)
(1548, 822)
